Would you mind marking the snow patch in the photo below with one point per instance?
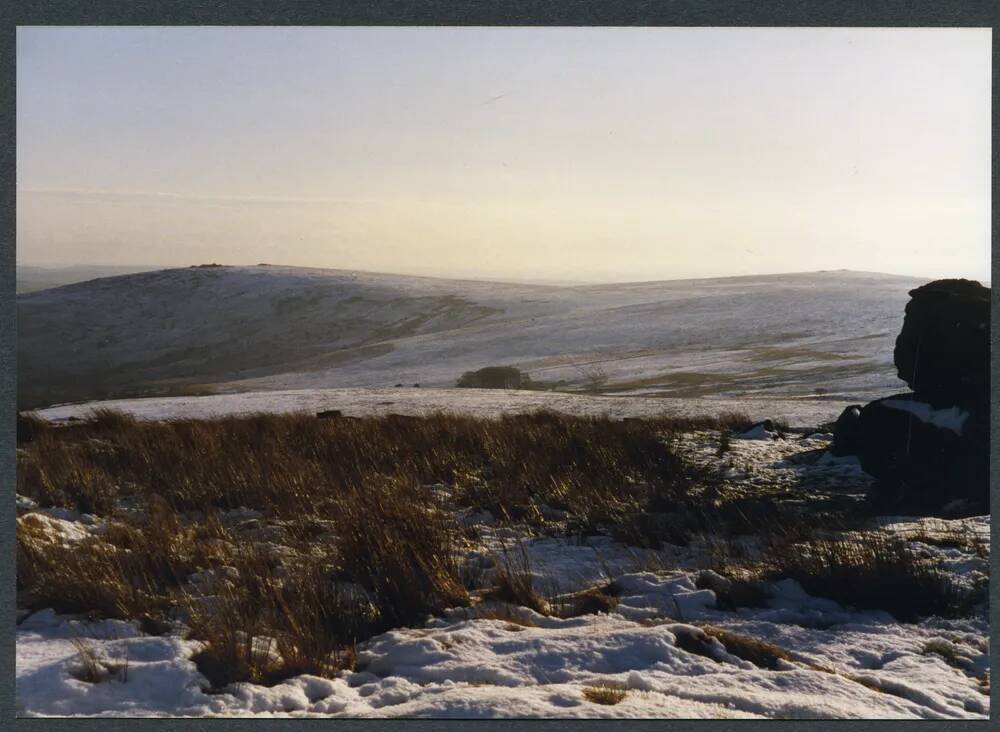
(757, 432)
(952, 418)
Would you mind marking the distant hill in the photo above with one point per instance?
(31, 279)
(224, 329)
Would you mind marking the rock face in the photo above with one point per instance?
(929, 449)
(845, 432)
(924, 455)
(943, 350)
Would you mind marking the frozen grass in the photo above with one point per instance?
(89, 669)
(263, 628)
(868, 570)
(389, 563)
(596, 468)
(514, 583)
(29, 426)
(372, 538)
(705, 640)
(952, 537)
(758, 652)
(593, 600)
(876, 571)
(740, 589)
(354, 496)
(605, 693)
(392, 542)
(92, 578)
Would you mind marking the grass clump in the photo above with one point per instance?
(389, 563)
(594, 600)
(104, 420)
(735, 591)
(948, 536)
(759, 652)
(90, 577)
(169, 547)
(514, 582)
(705, 640)
(132, 570)
(233, 621)
(393, 543)
(92, 668)
(874, 571)
(865, 569)
(606, 693)
(268, 625)
(275, 612)
(30, 426)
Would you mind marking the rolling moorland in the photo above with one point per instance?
(624, 539)
(206, 330)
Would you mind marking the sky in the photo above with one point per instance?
(556, 154)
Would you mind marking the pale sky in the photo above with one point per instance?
(536, 153)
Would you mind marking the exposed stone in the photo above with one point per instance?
(924, 455)
(928, 450)
(943, 350)
(845, 431)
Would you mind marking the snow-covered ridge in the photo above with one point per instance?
(488, 403)
(267, 327)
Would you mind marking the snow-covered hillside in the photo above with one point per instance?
(222, 329)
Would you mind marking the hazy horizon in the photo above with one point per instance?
(516, 154)
(134, 268)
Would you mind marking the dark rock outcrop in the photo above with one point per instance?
(928, 457)
(845, 432)
(943, 350)
(928, 450)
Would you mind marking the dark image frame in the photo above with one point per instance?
(814, 13)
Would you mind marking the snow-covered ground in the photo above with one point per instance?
(842, 662)
(361, 401)
(456, 666)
